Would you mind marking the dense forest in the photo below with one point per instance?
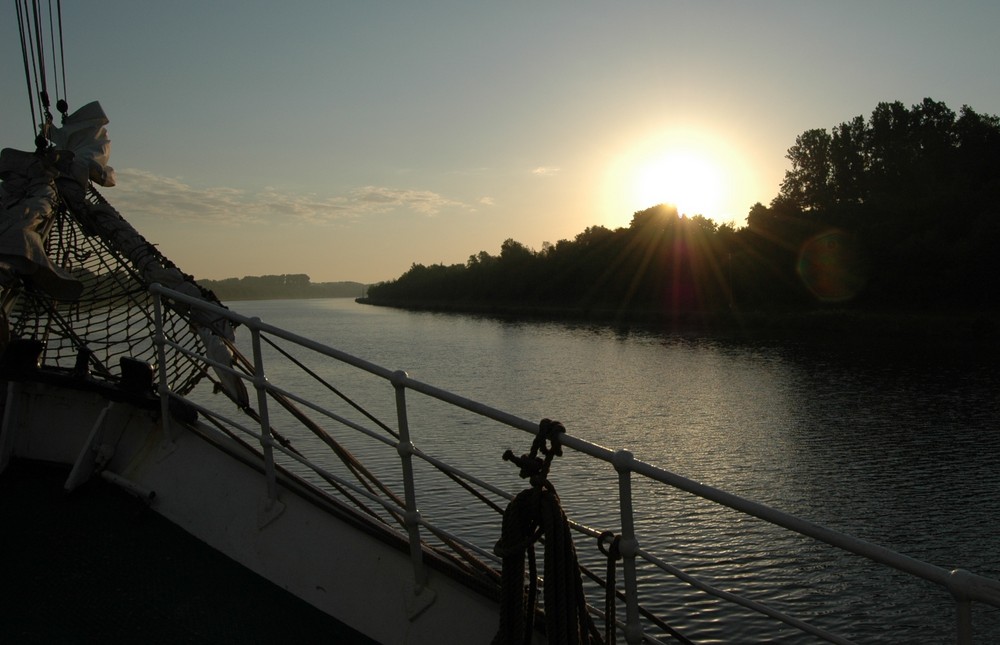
(266, 287)
(899, 212)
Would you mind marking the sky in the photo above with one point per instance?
(350, 140)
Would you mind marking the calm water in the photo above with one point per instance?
(896, 445)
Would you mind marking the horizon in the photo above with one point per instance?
(350, 141)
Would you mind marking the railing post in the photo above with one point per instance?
(963, 622)
(963, 607)
(412, 515)
(163, 390)
(629, 545)
(266, 441)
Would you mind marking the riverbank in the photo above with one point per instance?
(966, 328)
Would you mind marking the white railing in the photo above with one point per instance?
(965, 587)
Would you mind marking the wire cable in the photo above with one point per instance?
(62, 63)
(23, 30)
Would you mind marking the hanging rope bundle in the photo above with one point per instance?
(613, 553)
(534, 514)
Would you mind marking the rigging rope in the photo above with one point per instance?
(59, 61)
(62, 63)
(41, 141)
(23, 31)
(31, 31)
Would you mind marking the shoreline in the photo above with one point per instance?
(980, 328)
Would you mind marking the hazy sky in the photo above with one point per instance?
(348, 140)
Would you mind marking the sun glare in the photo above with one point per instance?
(685, 178)
(697, 173)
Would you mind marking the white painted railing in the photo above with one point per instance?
(965, 587)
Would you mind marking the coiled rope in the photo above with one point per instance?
(535, 514)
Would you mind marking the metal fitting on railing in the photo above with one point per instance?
(958, 583)
(412, 518)
(405, 448)
(623, 460)
(628, 547)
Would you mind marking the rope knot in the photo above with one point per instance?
(529, 464)
(613, 551)
(547, 443)
(547, 439)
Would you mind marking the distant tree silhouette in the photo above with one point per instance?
(296, 285)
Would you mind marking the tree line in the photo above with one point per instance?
(290, 285)
(897, 211)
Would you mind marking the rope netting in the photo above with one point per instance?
(114, 317)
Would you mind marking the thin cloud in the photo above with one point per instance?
(545, 171)
(143, 192)
(381, 198)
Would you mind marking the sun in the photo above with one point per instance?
(688, 179)
(699, 173)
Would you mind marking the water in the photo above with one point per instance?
(895, 445)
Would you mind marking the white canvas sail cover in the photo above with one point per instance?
(84, 133)
(27, 201)
(32, 183)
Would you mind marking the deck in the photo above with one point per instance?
(97, 565)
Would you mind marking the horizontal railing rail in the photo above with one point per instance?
(965, 587)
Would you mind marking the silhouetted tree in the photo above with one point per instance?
(848, 161)
(808, 184)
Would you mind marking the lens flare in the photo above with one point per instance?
(832, 267)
